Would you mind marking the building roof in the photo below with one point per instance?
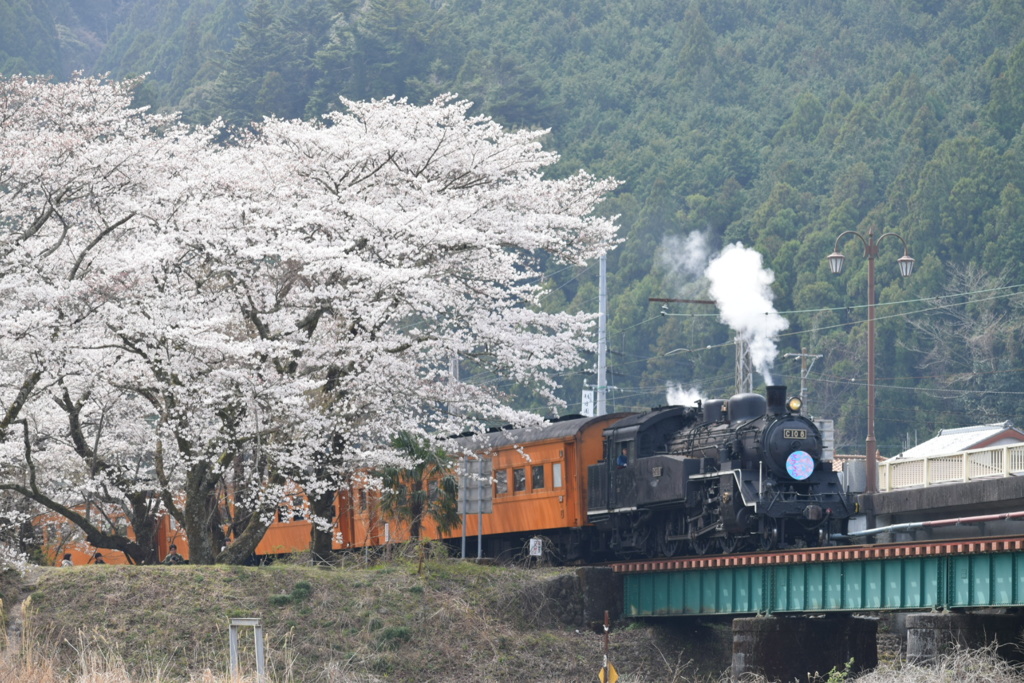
(951, 441)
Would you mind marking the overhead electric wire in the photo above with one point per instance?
(881, 304)
(841, 381)
(632, 392)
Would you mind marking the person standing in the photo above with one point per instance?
(173, 557)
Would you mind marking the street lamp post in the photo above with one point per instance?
(906, 264)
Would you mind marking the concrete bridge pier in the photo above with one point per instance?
(788, 648)
(933, 634)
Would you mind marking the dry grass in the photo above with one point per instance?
(367, 623)
(454, 621)
(958, 666)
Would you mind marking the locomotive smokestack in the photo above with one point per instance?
(776, 400)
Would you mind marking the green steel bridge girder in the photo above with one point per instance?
(911, 583)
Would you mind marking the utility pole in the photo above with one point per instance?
(805, 368)
(744, 368)
(744, 365)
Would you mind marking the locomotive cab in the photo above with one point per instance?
(634, 476)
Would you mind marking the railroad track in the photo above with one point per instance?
(827, 554)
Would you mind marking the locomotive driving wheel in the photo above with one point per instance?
(673, 526)
(667, 548)
(730, 544)
(700, 546)
(769, 537)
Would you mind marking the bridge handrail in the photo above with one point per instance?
(980, 463)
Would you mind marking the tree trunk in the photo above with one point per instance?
(243, 546)
(321, 543)
(200, 516)
(416, 510)
(144, 524)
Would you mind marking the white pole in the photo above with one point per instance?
(464, 466)
(602, 339)
(479, 514)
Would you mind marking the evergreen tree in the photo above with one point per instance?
(254, 82)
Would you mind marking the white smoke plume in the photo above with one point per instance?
(741, 287)
(685, 258)
(677, 395)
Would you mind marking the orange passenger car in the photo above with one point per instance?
(540, 485)
(60, 538)
(539, 488)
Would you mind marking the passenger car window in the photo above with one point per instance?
(556, 475)
(519, 479)
(501, 481)
(537, 472)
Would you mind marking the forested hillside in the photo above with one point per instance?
(775, 124)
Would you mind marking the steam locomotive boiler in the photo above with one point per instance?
(720, 476)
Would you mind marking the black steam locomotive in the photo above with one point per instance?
(721, 476)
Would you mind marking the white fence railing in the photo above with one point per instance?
(983, 463)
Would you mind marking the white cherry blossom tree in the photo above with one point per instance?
(396, 238)
(75, 166)
(225, 319)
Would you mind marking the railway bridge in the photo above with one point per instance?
(794, 611)
(952, 560)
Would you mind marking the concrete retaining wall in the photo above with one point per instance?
(797, 648)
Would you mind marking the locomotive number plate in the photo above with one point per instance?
(794, 433)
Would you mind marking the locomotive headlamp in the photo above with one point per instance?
(795, 404)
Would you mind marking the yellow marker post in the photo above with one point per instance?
(607, 674)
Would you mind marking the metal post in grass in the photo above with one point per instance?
(233, 627)
(474, 478)
(480, 518)
(462, 496)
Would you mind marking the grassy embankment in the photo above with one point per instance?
(449, 621)
(452, 621)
